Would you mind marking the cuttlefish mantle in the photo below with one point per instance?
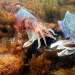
(67, 25)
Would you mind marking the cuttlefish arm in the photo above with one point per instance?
(34, 25)
(35, 32)
(67, 46)
(39, 34)
(42, 32)
(39, 30)
(65, 52)
(47, 32)
(32, 37)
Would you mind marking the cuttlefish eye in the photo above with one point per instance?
(45, 32)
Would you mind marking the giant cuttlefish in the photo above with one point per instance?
(68, 28)
(35, 30)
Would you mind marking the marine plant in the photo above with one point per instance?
(64, 72)
(6, 20)
(45, 9)
(39, 66)
(11, 57)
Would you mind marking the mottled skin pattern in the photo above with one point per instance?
(68, 25)
(34, 29)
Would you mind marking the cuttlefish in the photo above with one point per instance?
(35, 29)
(67, 26)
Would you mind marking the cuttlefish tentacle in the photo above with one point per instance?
(39, 43)
(67, 47)
(52, 31)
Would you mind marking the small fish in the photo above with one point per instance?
(68, 25)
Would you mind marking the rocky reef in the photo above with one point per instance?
(16, 60)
